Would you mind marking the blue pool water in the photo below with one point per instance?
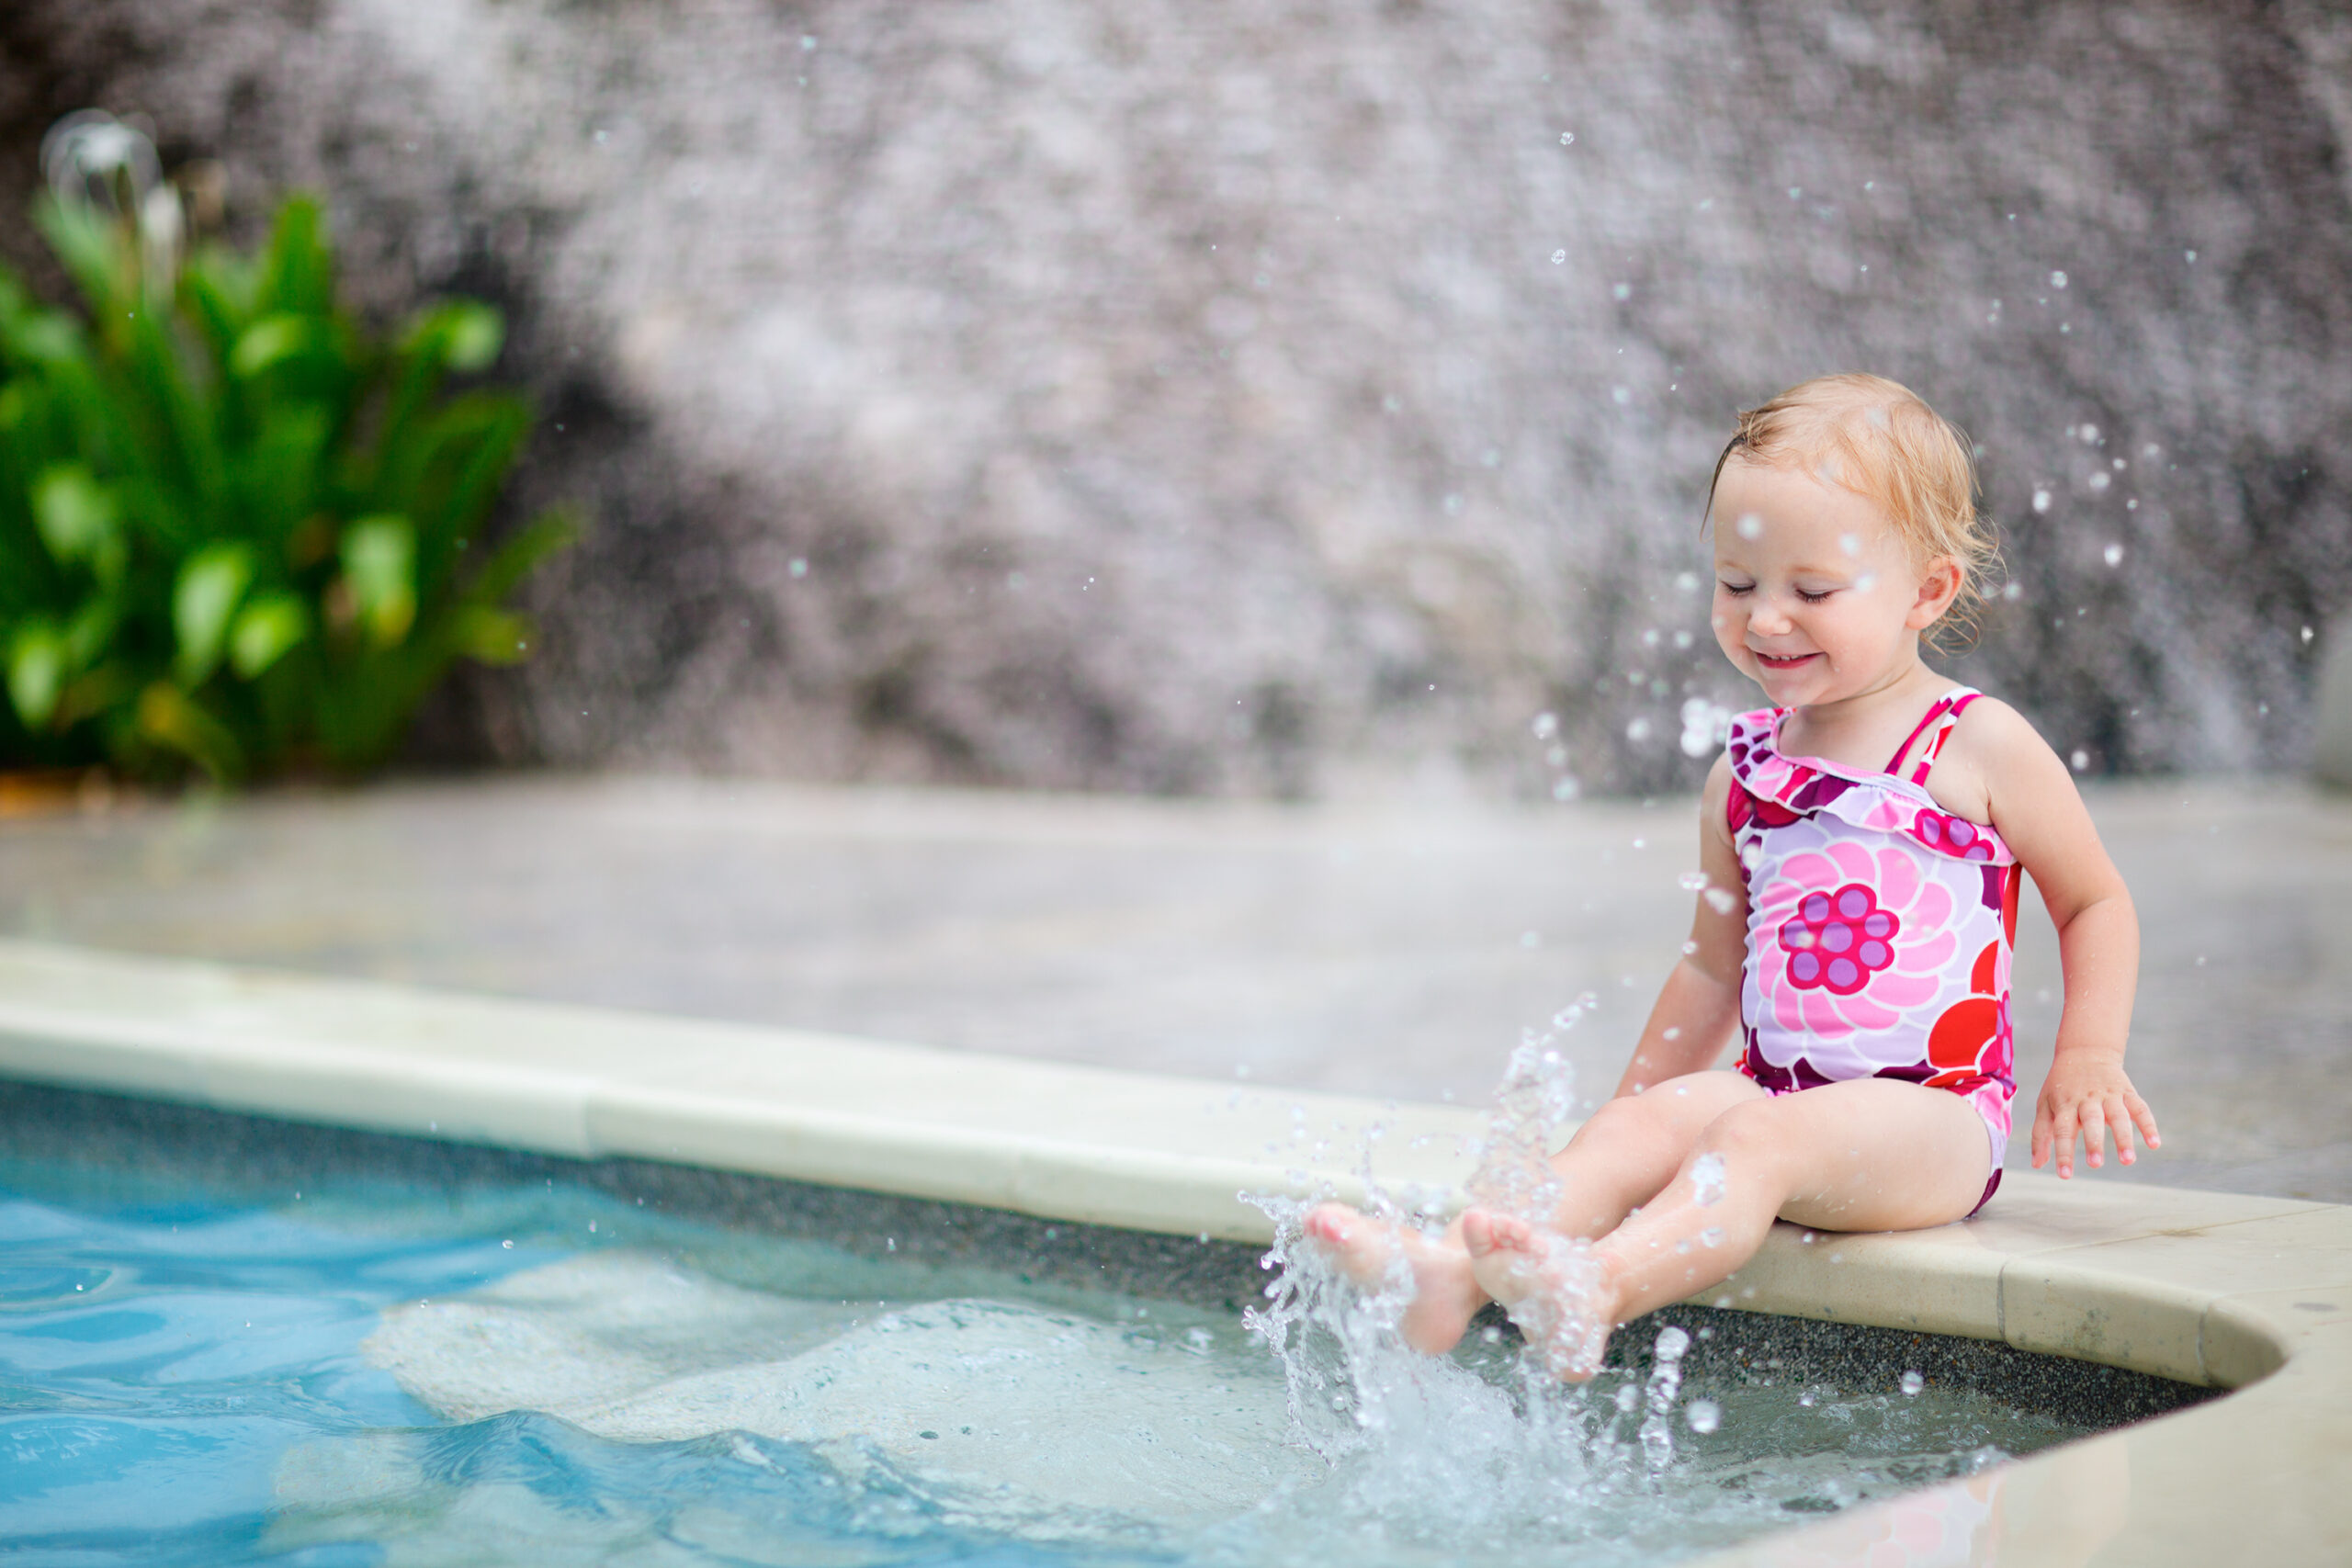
(533, 1373)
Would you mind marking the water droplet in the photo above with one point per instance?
(1713, 1236)
(1568, 138)
(1547, 725)
(1704, 1416)
(1627, 1397)
(1671, 1344)
(2113, 555)
(800, 567)
(1621, 292)
(1559, 256)
(2042, 501)
(1850, 543)
(2192, 255)
(2057, 280)
(508, 1245)
(1749, 526)
(1707, 1187)
(1691, 881)
(2081, 759)
(1566, 789)
(1720, 900)
(1912, 1383)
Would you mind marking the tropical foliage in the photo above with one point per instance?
(239, 531)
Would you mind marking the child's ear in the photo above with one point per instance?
(1938, 586)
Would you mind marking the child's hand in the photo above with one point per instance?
(2089, 1096)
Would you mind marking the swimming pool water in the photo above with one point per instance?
(542, 1373)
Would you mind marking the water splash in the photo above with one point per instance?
(1486, 1444)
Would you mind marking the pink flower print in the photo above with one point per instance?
(1893, 964)
(1838, 941)
(1954, 835)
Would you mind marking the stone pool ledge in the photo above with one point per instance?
(2211, 1289)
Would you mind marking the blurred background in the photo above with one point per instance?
(1292, 400)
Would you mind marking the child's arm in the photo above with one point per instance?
(2034, 805)
(1698, 1007)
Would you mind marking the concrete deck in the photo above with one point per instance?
(1382, 952)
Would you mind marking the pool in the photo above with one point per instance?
(228, 1340)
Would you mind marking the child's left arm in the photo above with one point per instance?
(2033, 804)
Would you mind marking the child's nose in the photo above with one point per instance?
(1769, 618)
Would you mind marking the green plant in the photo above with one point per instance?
(237, 531)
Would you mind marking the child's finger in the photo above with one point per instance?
(2094, 1134)
(2040, 1133)
(2146, 1119)
(2119, 1126)
(2062, 1137)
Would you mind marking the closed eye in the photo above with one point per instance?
(1810, 597)
(1735, 589)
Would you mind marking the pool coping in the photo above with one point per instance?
(2222, 1290)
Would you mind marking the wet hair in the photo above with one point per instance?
(1880, 440)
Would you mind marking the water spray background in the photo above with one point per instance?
(1295, 399)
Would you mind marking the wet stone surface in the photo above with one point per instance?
(1392, 949)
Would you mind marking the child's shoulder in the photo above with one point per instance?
(1990, 724)
(1990, 744)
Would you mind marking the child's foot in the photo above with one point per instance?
(1552, 1287)
(1361, 1248)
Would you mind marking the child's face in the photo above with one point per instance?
(1816, 600)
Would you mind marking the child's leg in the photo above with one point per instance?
(1873, 1154)
(1630, 1147)
(1621, 1156)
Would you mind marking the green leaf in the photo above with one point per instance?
(526, 548)
(380, 566)
(92, 251)
(36, 672)
(264, 630)
(87, 634)
(167, 717)
(74, 511)
(46, 338)
(298, 269)
(209, 586)
(473, 333)
(488, 636)
(272, 341)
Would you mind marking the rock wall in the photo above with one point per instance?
(1299, 397)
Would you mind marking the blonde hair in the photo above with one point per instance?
(1880, 440)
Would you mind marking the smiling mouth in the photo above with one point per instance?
(1784, 661)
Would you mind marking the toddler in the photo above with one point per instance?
(1861, 838)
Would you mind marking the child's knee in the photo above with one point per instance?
(1632, 1121)
(1756, 1132)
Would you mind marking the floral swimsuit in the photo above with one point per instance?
(1880, 926)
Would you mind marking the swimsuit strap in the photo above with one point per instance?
(1940, 717)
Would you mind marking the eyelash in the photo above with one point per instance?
(1809, 597)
